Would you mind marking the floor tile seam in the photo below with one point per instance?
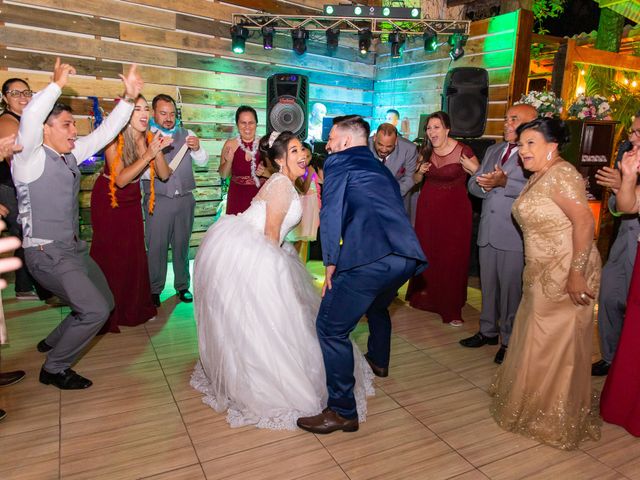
(175, 401)
(177, 469)
(331, 455)
(615, 469)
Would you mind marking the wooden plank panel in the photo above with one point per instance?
(498, 76)
(241, 67)
(489, 60)
(495, 110)
(499, 41)
(201, 8)
(59, 21)
(198, 114)
(111, 9)
(212, 130)
(213, 147)
(273, 6)
(40, 61)
(186, 78)
(82, 87)
(72, 45)
(399, 99)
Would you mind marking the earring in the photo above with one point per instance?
(548, 156)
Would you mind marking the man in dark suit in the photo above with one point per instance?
(499, 181)
(369, 251)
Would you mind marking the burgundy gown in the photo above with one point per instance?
(620, 400)
(118, 249)
(443, 227)
(242, 187)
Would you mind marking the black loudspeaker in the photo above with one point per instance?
(288, 103)
(465, 97)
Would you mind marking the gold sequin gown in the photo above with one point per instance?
(543, 388)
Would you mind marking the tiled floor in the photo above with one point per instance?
(141, 419)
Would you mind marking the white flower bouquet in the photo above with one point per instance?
(596, 107)
(546, 103)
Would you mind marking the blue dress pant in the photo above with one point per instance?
(367, 289)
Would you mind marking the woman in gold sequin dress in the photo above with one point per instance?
(543, 389)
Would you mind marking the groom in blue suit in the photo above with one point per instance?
(369, 251)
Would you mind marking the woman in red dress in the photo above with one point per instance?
(443, 222)
(241, 160)
(620, 400)
(116, 217)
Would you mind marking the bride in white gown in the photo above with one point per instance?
(255, 307)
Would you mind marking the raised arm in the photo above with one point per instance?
(107, 131)
(126, 175)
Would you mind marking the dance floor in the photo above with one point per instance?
(141, 419)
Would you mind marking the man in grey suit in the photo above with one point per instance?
(616, 274)
(499, 181)
(398, 155)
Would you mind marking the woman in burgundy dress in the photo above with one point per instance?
(241, 160)
(116, 217)
(443, 222)
(620, 400)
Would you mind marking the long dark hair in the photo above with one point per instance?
(5, 88)
(427, 146)
(553, 130)
(279, 149)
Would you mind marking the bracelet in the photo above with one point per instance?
(128, 99)
(579, 262)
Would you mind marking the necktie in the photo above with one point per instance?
(506, 155)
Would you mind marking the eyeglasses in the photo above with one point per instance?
(18, 93)
(633, 131)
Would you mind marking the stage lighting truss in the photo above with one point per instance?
(376, 25)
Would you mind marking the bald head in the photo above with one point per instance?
(516, 116)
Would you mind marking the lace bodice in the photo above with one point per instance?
(279, 196)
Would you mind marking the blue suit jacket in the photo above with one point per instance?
(362, 206)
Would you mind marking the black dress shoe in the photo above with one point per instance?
(478, 340)
(2, 414)
(155, 299)
(185, 296)
(600, 368)
(43, 347)
(326, 422)
(9, 378)
(67, 380)
(499, 358)
(377, 371)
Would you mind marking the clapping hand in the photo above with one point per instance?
(193, 142)
(158, 143)
(488, 181)
(423, 167)
(609, 178)
(630, 162)
(61, 72)
(469, 164)
(132, 82)
(8, 146)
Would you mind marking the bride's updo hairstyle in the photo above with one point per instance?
(275, 148)
(552, 129)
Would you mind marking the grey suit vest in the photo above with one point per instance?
(180, 181)
(48, 206)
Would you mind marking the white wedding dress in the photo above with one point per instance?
(255, 307)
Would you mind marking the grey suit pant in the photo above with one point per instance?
(170, 224)
(68, 272)
(614, 288)
(501, 280)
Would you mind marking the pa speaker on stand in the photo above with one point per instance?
(465, 97)
(288, 103)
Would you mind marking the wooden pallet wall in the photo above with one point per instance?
(183, 49)
(413, 83)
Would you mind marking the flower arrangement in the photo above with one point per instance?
(546, 103)
(596, 107)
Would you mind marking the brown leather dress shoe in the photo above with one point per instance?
(9, 378)
(377, 371)
(326, 422)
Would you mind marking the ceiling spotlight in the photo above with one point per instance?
(333, 36)
(430, 41)
(267, 37)
(457, 42)
(239, 36)
(364, 41)
(299, 36)
(386, 11)
(328, 9)
(357, 10)
(396, 39)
